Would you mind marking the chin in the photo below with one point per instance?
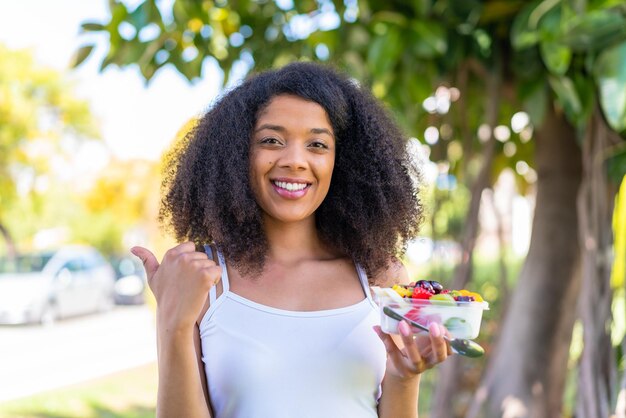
(290, 217)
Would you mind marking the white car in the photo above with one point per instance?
(42, 287)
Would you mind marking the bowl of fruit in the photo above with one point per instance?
(426, 301)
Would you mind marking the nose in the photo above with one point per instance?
(293, 157)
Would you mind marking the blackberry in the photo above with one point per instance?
(437, 287)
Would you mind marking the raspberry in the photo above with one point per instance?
(420, 293)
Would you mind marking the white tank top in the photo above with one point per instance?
(264, 362)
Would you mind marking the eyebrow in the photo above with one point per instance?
(279, 128)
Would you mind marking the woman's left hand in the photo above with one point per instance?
(420, 352)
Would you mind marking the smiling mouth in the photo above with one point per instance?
(291, 187)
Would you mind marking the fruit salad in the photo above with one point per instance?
(426, 301)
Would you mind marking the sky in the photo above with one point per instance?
(136, 121)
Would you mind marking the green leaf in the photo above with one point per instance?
(568, 98)
(595, 30)
(358, 38)
(586, 89)
(467, 11)
(108, 60)
(421, 7)
(610, 75)
(545, 11)
(527, 64)
(428, 39)
(384, 52)
(139, 17)
(354, 64)
(534, 97)
(148, 70)
(616, 165)
(81, 55)
(118, 15)
(133, 51)
(500, 10)
(418, 85)
(556, 56)
(522, 36)
(393, 18)
(92, 26)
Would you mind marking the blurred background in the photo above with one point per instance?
(516, 111)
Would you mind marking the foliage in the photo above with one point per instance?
(118, 201)
(39, 117)
(42, 126)
(555, 50)
(100, 215)
(446, 202)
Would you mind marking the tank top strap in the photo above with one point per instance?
(364, 283)
(222, 263)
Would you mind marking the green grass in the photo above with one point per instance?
(127, 394)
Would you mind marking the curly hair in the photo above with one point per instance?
(372, 207)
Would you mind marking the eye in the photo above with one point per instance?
(270, 140)
(318, 144)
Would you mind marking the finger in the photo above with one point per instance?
(174, 254)
(214, 273)
(411, 350)
(210, 273)
(392, 349)
(439, 345)
(150, 263)
(185, 247)
(446, 333)
(196, 256)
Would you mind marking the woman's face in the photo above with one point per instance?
(292, 155)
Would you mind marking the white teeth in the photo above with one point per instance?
(292, 187)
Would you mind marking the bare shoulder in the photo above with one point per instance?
(394, 273)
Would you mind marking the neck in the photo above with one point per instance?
(293, 242)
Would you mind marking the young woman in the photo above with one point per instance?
(300, 183)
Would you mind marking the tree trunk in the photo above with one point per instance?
(597, 373)
(527, 371)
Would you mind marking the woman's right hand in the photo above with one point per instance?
(180, 283)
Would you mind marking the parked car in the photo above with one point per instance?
(130, 284)
(42, 287)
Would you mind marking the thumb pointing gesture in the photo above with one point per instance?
(148, 259)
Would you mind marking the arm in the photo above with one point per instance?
(181, 390)
(198, 346)
(180, 285)
(407, 357)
